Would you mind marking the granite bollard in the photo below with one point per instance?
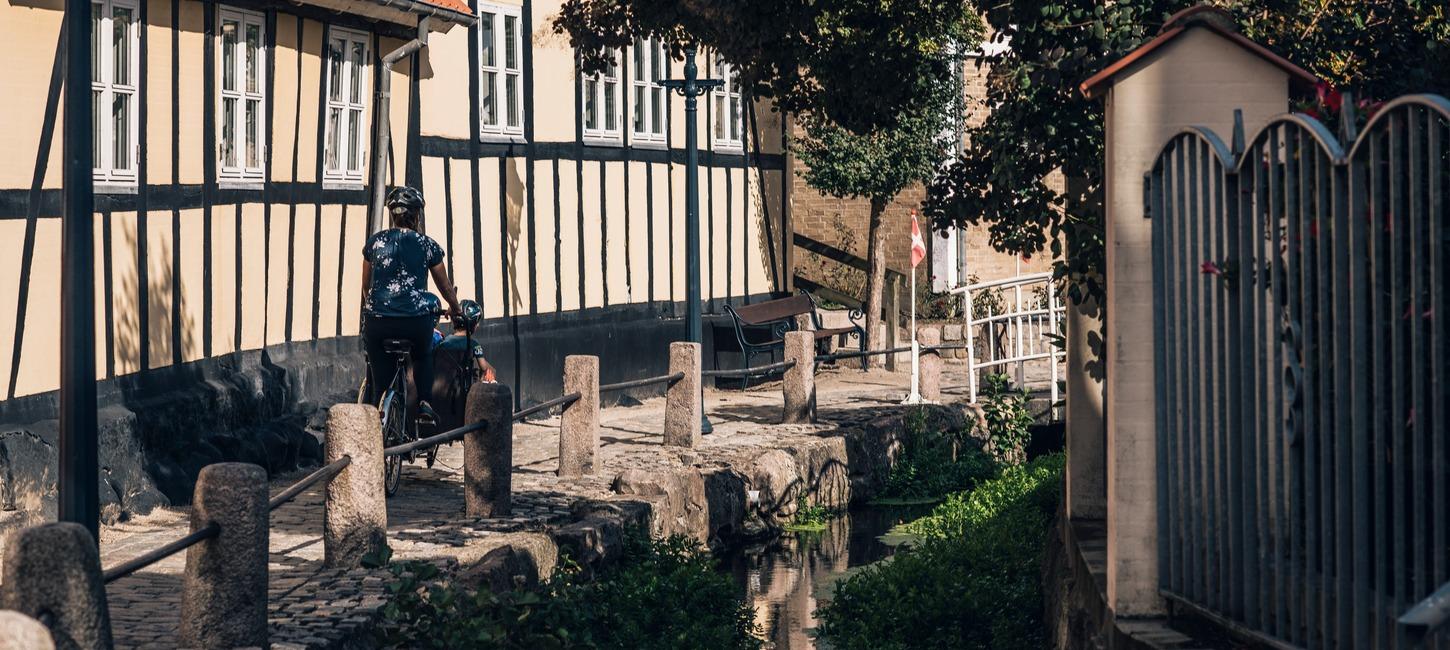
(684, 404)
(488, 453)
(877, 360)
(799, 383)
(930, 364)
(54, 571)
(579, 424)
(224, 589)
(20, 632)
(355, 519)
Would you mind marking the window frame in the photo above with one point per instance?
(104, 172)
(647, 79)
(241, 172)
(345, 174)
(729, 92)
(597, 85)
(498, 16)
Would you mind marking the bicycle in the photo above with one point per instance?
(393, 410)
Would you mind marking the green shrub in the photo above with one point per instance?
(935, 463)
(809, 518)
(972, 581)
(660, 595)
(1006, 410)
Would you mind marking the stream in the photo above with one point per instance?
(786, 579)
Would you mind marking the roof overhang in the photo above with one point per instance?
(1201, 16)
(443, 14)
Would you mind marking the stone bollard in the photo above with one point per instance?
(355, 520)
(877, 360)
(684, 404)
(54, 571)
(891, 320)
(224, 589)
(579, 425)
(488, 454)
(20, 632)
(930, 364)
(799, 383)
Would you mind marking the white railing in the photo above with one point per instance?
(1018, 330)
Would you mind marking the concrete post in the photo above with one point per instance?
(355, 519)
(892, 319)
(579, 425)
(684, 404)
(224, 590)
(20, 632)
(930, 364)
(877, 360)
(1087, 472)
(488, 454)
(799, 383)
(54, 570)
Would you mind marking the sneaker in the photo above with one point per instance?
(426, 414)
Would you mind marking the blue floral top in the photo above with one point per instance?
(401, 259)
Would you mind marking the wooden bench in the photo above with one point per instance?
(761, 327)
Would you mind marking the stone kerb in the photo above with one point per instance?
(799, 383)
(224, 589)
(54, 571)
(579, 424)
(20, 632)
(355, 518)
(488, 453)
(930, 364)
(684, 404)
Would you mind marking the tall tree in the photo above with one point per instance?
(878, 165)
(1038, 122)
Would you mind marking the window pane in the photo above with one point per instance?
(254, 151)
(511, 86)
(659, 110)
(121, 42)
(229, 55)
(639, 105)
(486, 40)
(96, 161)
(229, 132)
(121, 126)
(591, 99)
(656, 63)
(611, 102)
(254, 53)
(734, 118)
(639, 73)
(486, 108)
(334, 67)
(96, 10)
(354, 72)
(719, 115)
(354, 152)
(510, 44)
(334, 132)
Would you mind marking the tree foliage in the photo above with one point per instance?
(858, 62)
(1039, 123)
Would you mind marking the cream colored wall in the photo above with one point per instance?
(1197, 79)
(31, 33)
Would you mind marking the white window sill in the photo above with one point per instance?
(346, 186)
(502, 138)
(115, 188)
(649, 144)
(239, 184)
(732, 148)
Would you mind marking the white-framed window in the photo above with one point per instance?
(501, 80)
(648, 115)
(603, 105)
(345, 150)
(241, 149)
(115, 73)
(728, 123)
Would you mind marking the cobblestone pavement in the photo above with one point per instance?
(311, 606)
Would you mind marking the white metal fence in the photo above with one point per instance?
(1009, 323)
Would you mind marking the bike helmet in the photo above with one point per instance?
(404, 199)
(469, 313)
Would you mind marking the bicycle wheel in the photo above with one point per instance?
(395, 432)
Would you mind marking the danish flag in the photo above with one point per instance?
(918, 247)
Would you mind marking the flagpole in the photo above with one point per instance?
(915, 396)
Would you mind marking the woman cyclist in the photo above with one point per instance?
(396, 302)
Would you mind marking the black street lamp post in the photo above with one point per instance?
(78, 499)
(691, 87)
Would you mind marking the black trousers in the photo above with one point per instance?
(417, 330)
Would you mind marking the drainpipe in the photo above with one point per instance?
(384, 129)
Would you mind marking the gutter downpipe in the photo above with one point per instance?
(384, 128)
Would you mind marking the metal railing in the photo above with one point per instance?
(1302, 399)
(640, 383)
(1014, 328)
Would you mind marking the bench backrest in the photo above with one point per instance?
(771, 311)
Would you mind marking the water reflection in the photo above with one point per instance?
(788, 578)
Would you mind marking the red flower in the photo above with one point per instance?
(1328, 96)
(1209, 268)
(1312, 113)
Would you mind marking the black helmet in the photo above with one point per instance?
(404, 199)
(469, 313)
